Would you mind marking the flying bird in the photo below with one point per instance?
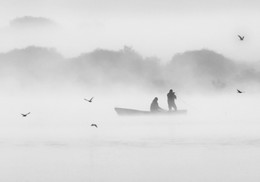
(94, 125)
(90, 100)
(241, 37)
(24, 115)
(239, 91)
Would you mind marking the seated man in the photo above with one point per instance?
(155, 106)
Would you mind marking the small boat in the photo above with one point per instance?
(134, 112)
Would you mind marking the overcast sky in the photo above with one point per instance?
(159, 28)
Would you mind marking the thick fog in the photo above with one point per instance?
(162, 33)
(216, 140)
(199, 71)
(56, 55)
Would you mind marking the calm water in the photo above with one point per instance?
(218, 141)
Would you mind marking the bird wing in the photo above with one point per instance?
(241, 37)
(94, 125)
(91, 98)
(239, 91)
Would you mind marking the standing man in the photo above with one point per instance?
(171, 100)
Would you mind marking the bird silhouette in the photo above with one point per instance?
(239, 91)
(241, 37)
(24, 115)
(90, 100)
(94, 125)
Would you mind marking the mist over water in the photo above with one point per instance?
(55, 142)
(215, 141)
(56, 53)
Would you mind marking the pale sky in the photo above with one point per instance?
(159, 28)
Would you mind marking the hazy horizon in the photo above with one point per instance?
(190, 72)
(153, 28)
(55, 55)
